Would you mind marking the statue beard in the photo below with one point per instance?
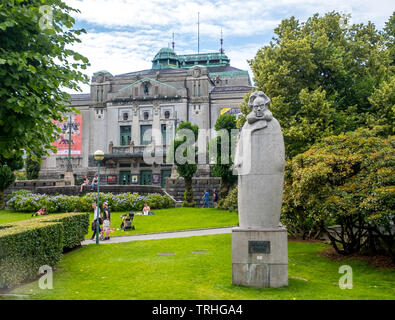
(252, 118)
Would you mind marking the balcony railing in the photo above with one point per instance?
(136, 149)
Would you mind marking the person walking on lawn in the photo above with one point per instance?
(106, 221)
(215, 198)
(96, 219)
(206, 198)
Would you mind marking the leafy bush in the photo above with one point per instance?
(27, 245)
(25, 201)
(348, 181)
(230, 202)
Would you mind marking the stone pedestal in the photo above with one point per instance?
(69, 178)
(260, 257)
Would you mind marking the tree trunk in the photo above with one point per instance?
(224, 189)
(2, 199)
(188, 195)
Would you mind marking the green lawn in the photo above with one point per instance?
(7, 216)
(174, 219)
(134, 270)
(163, 220)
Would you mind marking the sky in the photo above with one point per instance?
(124, 35)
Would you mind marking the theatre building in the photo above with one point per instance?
(120, 113)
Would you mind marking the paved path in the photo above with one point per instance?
(163, 235)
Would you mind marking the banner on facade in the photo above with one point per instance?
(234, 111)
(62, 144)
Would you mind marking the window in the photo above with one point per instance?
(146, 115)
(194, 88)
(199, 89)
(125, 135)
(163, 131)
(125, 116)
(167, 114)
(145, 134)
(156, 90)
(136, 91)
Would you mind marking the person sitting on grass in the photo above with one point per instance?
(146, 211)
(41, 212)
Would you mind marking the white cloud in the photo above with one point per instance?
(124, 35)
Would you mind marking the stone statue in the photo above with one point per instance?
(259, 244)
(260, 162)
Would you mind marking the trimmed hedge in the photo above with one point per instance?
(75, 227)
(27, 245)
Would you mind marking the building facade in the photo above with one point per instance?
(122, 113)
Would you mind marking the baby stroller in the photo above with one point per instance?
(127, 220)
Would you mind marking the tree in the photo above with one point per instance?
(7, 176)
(346, 180)
(319, 75)
(186, 168)
(33, 166)
(226, 122)
(36, 65)
(383, 105)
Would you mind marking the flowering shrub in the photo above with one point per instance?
(25, 201)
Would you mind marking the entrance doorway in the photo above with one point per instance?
(146, 177)
(165, 174)
(124, 177)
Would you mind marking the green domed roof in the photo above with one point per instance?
(165, 53)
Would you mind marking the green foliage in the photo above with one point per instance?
(320, 74)
(32, 168)
(27, 245)
(224, 171)
(25, 201)
(14, 162)
(7, 177)
(36, 65)
(383, 105)
(389, 36)
(20, 175)
(346, 180)
(75, 227)
(185, 170)
(230, 201)
(226, 121)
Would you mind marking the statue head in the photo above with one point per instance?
(259, 103)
